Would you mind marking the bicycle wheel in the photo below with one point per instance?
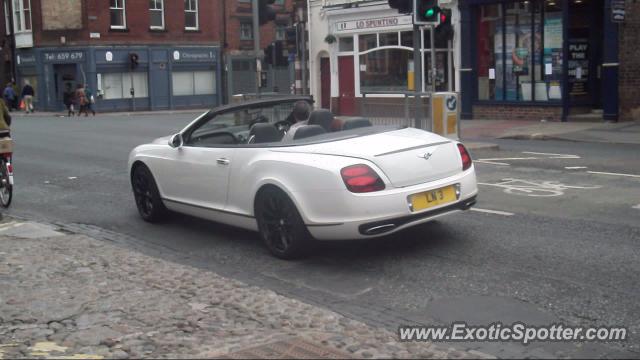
(6, 189)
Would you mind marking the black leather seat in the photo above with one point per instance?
(355, 123)
(321, 117)
(308, 131)
(264, 133)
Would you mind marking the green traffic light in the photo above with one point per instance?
(429, 13)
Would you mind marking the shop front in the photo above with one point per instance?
(161, 78)
(538, 59)
(367, 53)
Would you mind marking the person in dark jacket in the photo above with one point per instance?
(68, 98)
(27, 96)
(9, 96)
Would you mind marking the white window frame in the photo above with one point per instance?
(190, 10)
(7, 21)
(250, 26)
(19, 9)
(161, 10)
(124, 14)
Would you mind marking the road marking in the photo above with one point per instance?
(515, 158)
(614, 174)
(535, 189)
(72, 177)
(575, 167)
(553, 156)
(636, 207)
(490, 162)
(492, 211)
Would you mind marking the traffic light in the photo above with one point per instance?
(403, 6)
(266, 11)
(426, 12)
(133, 60)
(274, 50)
(445, 29)
(291, 38)
(268, 54)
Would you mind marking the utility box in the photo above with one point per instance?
(445, 114)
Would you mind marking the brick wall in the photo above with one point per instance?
(501, 112)
(239, 12)
(629, 56)
(95, 18)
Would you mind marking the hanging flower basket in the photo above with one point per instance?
(330, 39)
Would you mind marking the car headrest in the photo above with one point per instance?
(264, 133)
(308, 131)
(355, 123)
(322, 117)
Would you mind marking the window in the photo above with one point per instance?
(6, 17)
(118, 16)
(191, 14)
(345, 44)
(156, 12)
(21, 15)
(385, 70)
(118, 85)
(246, 31)
(281, 31)
(187, 83)
(514, 63)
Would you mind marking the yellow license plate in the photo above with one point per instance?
(431, 198)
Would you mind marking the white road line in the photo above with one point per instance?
(492, 211)
(490, 162)
(636, 207)
(575, 167)
(72, 177)
(516, 158)
(559, 156)
(614, 174)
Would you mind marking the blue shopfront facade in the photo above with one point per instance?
(162, 78)
(538, 59)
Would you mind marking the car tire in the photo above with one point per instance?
(280, 225)
(147, 196)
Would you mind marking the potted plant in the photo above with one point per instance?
(330, 39)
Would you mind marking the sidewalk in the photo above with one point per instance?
(70, 296)
(618, 133)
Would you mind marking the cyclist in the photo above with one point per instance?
(5, 120)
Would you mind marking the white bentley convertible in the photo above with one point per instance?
(334, 179)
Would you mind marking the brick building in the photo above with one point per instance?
(62, 43)
(238, 46)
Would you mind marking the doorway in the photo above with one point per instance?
(347, 96)
(65, 80)
(585, 49)
(325, 83)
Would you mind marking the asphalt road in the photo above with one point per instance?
(558, 244)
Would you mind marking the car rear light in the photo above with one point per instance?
(466, 158)
(361, 179)
(10, 168)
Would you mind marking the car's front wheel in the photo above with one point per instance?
(280, 225)
(147, 196)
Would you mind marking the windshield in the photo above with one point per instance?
(275, 125)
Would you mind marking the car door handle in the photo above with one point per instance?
(223, 161)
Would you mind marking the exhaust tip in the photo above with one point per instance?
(379, 229)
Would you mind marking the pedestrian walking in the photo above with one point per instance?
(16, 91)
(9, 96)
(68, 97)
(27, 96)
(90, 99)
(81, 100)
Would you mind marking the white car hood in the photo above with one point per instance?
(408, 156)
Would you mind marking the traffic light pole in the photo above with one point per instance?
(417, 77)
(256, 44)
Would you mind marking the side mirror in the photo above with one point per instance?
(176, 141)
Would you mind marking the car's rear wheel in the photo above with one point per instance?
(145, 191)
(280, 225)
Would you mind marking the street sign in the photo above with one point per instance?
(617, 11)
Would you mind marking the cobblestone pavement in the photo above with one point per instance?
(70, 296)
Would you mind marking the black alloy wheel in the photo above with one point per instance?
(147, 196)
(280, 225)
